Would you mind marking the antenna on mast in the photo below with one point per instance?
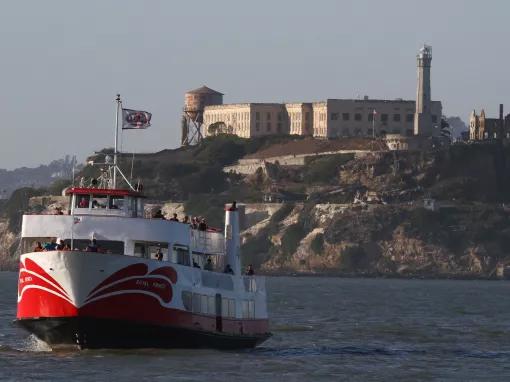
(117, 112)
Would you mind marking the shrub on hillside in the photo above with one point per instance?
(291, 238)
(325, 169)
(317, 244)
(18, 204)
(282, 213)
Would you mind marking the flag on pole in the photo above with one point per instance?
(135, 119)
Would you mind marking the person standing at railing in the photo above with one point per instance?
(249, 271)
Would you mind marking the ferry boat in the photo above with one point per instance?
(123, 280)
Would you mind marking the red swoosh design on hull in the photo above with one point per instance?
(32, 266)
(139, 269)
(135, 279)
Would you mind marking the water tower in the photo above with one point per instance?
(193, 116)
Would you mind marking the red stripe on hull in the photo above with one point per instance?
(134, 308)
(38, 303)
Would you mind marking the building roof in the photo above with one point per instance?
(203, 90)
(101, 191)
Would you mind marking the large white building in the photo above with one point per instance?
(334, 117)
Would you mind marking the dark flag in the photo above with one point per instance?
(135, 119)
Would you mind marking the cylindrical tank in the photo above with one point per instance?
(196, 100)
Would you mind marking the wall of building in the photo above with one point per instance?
(330, 119)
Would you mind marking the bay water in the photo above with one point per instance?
(324, 329)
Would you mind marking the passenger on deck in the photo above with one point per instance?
(50, 246)
(249, 271)
(159, 255)
(95, 204)
(60, 245)
(208, 265)
(186, 219)
(84, 203)
(202, 226)
(195, 264)
(228, 269)
(194, 223)
(174, 218)
(58, 211)
(158, 215)
(92, 247)
(66, 247)
(38, 247)
(93, 183)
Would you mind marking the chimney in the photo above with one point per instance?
(501, 121)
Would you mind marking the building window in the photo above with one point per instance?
(279, 127)
(268, 127)
(334, 116)
(345, 116)
(268, 115)
(396, 117)
(370, 132)
(384, 117)
(307, 116)
(279, 116)
(410, 118)
(257, 126)
(370, 117)
(434, 119)
(346, 132)
(257, 116)
(357, 117)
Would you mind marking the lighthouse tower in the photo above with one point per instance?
(423, 116)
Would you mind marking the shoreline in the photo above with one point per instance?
(358, 276)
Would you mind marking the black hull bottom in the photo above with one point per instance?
(92, 333)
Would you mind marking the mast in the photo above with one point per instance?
(117, 112)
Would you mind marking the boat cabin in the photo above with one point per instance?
(102, 201)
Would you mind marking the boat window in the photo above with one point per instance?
(99, 201)
(104, 246)
(153, 250)
(196, 303)
(248, 309)
(82, 201)
(116, 203)
(228, 307)
(187, 300)
(181, 254)
(211, 305)
(141, 250)
(203, 304)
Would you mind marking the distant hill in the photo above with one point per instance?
(457, 125)
(41, 176)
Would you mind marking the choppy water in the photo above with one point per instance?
(325, 329)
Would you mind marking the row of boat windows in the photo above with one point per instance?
(216, 305)
(147, 250)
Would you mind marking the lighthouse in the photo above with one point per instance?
(423, 125)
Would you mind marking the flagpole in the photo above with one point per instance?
(119, 103)
(373, 124)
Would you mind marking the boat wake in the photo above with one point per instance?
(34, 344)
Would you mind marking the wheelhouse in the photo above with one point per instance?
(112, 202)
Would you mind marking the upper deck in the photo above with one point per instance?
(105, 202)
(115, 219)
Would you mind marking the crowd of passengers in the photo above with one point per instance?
(52, 245)
(198, 223)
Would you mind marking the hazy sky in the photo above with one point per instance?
(62, 62)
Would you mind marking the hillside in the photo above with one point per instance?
(343, 213)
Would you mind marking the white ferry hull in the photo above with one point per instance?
(96, 300)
